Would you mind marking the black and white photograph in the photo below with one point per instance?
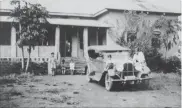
(90, 53)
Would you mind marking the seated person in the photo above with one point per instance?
(72, 67)
(63, 67)
(139, 62)
(109, 63)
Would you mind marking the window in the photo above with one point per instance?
(5, 33)
(102, 36)
(49, 39)
(131, 36)
(92, 32)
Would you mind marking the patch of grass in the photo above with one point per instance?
(68, 83)
(36, 80)
(9, 79)
(14, 78)
(15, 93)
(61, 99)
(6, 95)
(55, 91)
(163, 81)
(73, 103)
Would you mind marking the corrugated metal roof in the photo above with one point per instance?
(90, 7)
(69, 22)
(77, 22)
(105, 48)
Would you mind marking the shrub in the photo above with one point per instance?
(34, 68)
(154, 59)
(38, 68)
(10, 68)
(156, 63)
(173, 64)
(15, 67)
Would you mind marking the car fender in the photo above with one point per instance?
(102, 77)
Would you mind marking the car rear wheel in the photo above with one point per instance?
(109, 84)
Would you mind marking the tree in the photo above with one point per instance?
(169, 29)
(31, 17)
(167, 36)
(137, 31)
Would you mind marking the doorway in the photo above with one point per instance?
(66, 41)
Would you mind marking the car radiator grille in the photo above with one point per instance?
(129, 70)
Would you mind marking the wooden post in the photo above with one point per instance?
(13, 42)
(85, 42)
(107, 37)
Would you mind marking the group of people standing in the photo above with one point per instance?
(53, 64)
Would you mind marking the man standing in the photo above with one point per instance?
(52, 64)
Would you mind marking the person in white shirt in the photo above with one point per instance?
(52, 63)
(72, 67)
(109, 63)
(140, 63)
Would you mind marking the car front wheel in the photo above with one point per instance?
(88, 75)
(109, 84)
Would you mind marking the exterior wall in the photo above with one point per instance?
(39, 51)
(5, 51)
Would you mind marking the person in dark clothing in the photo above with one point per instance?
(63, 67)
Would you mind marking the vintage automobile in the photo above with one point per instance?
(119, 72)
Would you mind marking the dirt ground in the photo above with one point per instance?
(75, 91)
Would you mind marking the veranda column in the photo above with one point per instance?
(85, 42)
(13, 42)
(97, 36)
(57, 42)
(109, 40)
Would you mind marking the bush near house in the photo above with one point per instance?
(156, 62)
(173, 64)
(15, 68)
(38, 68)
(154, 59)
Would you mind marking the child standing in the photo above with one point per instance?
(63, 67)
(52, 61)
(72, 67)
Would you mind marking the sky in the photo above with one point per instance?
(169, 4)
(93, 6)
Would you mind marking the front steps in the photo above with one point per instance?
(80, 64)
